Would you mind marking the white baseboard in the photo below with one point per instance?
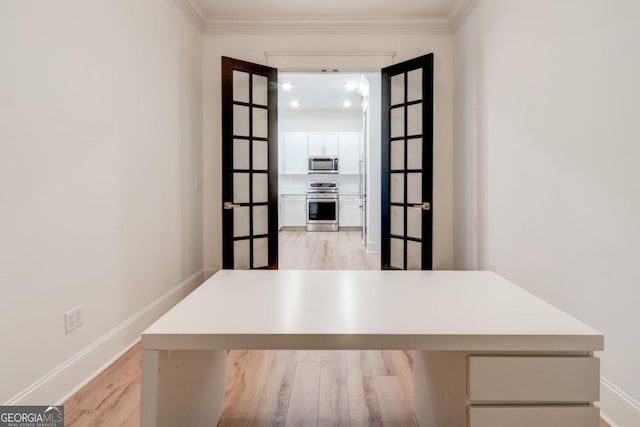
(208, 272)
(616, 407)
(65, 380)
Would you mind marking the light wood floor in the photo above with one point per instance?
(280, 388)
(324, 250)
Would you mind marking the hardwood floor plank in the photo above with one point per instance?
(393, 406)
(333, 404)
(378, 363)
(299, 250)
(247, 373)
(274, 402)
(363, 401)
(309, 356)
(303, 406)
(400, 364)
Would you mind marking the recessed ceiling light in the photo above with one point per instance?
(287, 86)
(346, 104)
(351, 86)
(295, 104)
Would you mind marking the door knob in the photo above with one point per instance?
(229, 205)
(426, 206)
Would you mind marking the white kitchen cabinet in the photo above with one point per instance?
(323, 144)
(349, 153)
(294, 153)
(293, 210)
(350, 214)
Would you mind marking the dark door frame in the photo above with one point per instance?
(228, 66)
(426, 63)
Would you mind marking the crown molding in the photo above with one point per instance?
(193, 12)
(459, 14)
(444, 25)
(327, 26)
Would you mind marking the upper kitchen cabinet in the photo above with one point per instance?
(323, 144)
(349, 153)
(294, 153)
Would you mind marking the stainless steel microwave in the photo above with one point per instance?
(323, 164)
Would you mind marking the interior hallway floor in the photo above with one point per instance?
(281, 388)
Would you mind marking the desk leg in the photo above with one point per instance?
(182, 388)
(440, 388)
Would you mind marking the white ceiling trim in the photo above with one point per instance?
(193, 12)
(445, 25)
(326, 26)
(460, 14)
(329, 61)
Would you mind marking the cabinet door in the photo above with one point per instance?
(293, 213)
(316, 144)
(294, 157)
(330, 144)
(350, 213)
(349, 153)
(323, 144)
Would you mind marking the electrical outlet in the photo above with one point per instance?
(198, 184)
(73, 319)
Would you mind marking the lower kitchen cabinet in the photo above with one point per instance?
(350, 214)
(293, 210)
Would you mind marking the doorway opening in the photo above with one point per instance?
(329, 170)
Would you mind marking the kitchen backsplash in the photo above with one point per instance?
(298, 184)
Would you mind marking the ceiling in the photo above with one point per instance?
(327, 8)
(319, 91)
(330, 16)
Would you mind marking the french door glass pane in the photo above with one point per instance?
(414, 222)
(397, 220)
(260, 252)
(397, 89)
(414, 255)
(414, 119)
(241, 260)
(414, 153)
(260, 187)
(260, 123)
(240, 120)
(241, 221)
(414, 188)
(260, 220)
(241, 187)
(397, 122)
(260, 155)
(240, 154)
(414, 85)
(397, 155)
(397, 253)
(397, 188)
(260, 90)
(240, 86)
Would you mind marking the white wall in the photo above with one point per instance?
(252, 47)
(546, 161)
(320, 121)
(100, 144)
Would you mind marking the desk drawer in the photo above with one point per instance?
(534, 416)
(524, 379)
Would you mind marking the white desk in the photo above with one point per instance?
(488, 353)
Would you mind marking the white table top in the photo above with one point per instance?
(437, 310)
